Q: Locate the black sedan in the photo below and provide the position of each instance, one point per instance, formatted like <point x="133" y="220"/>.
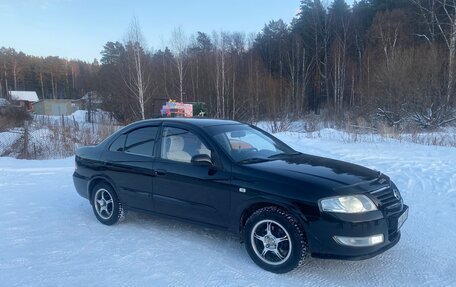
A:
<point x="233" y="176"/>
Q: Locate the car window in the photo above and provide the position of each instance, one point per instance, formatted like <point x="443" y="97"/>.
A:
<point x="249" y="140"/>
<point x="181" y="145"/>
<point x="245" y="140"/>
<point x="243" y="143"/>
<point x="141" y="141"/>
<point x="118" y="144"/>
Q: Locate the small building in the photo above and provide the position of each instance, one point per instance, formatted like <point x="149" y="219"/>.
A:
<point x="23" y="98"/>
<point x="54" y="107"/>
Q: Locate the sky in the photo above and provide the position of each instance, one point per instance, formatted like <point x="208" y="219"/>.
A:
<point x="78" y="29"/>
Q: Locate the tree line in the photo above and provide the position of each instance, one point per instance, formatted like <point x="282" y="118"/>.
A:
<point x="388" y="60"/>
<point x="51" y="77"/>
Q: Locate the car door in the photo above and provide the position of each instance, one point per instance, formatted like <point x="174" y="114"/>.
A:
<point x="129" y="163"/>
<point x="186" y="190"/>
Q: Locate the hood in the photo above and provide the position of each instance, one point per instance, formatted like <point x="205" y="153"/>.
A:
<point x="314" y="168"/>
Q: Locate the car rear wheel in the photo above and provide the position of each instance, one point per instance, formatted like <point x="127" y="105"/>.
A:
<point x="106" y="205"/>
<point x="274" y="240"/>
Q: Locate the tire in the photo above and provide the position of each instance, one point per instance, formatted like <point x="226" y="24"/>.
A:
<point x="275" y="240"/>
<point x="106" y="205"/>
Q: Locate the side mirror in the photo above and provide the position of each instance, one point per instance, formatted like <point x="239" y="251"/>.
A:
<point x="202" y="160"/>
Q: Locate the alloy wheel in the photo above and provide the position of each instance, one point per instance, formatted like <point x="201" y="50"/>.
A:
<point x="103" y="203"/>
<point x="271" y="242"/>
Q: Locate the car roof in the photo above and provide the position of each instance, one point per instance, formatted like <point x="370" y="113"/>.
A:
<point x="200" y="122"/>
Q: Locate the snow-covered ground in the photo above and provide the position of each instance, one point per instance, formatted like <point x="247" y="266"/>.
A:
<point x="50" y="237"/>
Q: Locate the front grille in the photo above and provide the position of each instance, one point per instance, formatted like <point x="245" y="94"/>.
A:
<point x="387" y="200"/>
<point x="391" y="207"/>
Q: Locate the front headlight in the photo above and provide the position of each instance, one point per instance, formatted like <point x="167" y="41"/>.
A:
<point x="347" y="204"/>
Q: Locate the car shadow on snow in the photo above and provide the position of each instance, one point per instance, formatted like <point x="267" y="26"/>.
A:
<point x="221" y="243"/>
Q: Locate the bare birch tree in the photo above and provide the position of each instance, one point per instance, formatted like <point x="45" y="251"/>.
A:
<point x="339" y="60"/>
<point x="7" y="95"/>
<point x="136" y="77"/>
<point x="298" y="68"/>
<point x="220" y="73"/>
<point x="446" y="25"/>
<point x="179" y="43"/>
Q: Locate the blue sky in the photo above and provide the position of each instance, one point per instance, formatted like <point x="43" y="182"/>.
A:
<point x="78" y="29"/>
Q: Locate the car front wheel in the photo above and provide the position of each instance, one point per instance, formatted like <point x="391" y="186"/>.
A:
<point x="106" y="205"/>
<point x="274" y="240"/>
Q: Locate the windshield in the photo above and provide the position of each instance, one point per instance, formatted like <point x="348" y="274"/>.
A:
<point x="245" y="144"/>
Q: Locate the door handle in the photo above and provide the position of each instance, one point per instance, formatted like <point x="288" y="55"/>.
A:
<point x="160" y="172"/>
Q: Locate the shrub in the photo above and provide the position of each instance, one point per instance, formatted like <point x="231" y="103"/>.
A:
<point x="11" y="117"/>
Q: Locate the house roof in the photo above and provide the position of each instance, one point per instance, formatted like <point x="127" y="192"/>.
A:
<point x="55" y="101"/>
<point x="24" y="96"/>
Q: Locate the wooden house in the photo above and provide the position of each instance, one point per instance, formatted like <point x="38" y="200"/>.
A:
<point x="23" y="98"/>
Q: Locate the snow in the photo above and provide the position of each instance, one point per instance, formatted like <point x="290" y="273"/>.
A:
<point x="80" y="115"/>
<point x="50" y="237"/>
<point x="4" y="102"/>
<point x="24" y="96"/>
<point x="9" y="137"/>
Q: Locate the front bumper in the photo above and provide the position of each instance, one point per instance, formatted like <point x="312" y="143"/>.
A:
<point x="321" y="232"/>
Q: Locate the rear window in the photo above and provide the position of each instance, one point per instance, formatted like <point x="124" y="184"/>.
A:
<point x="140" y="141"/>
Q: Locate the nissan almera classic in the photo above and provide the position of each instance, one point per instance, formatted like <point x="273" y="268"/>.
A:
<point x="284" y="204"/>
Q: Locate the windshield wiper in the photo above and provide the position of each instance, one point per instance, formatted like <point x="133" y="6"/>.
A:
<point x="283" y="154"/>
<point x="253" y="160"/>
